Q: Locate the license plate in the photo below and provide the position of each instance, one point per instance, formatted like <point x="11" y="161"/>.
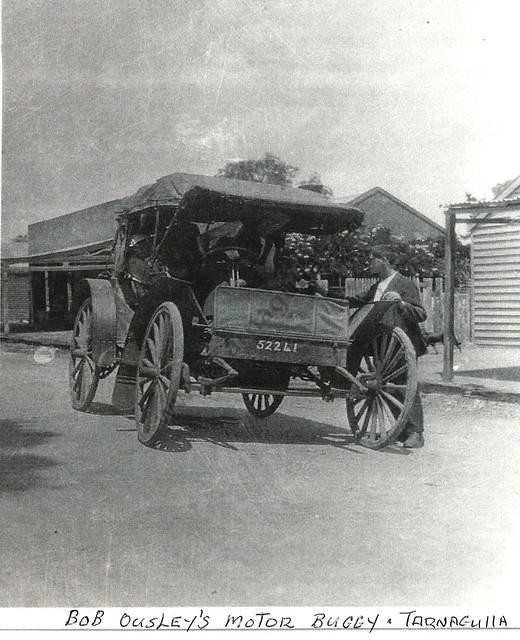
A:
<point x="280" y="346"/>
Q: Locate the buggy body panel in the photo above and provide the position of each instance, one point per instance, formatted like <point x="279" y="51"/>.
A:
<point x="275" y="326"/>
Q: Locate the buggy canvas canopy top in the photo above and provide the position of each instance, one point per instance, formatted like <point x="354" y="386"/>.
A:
<point x="211" y="199"/>
<point x="195" y="198"/>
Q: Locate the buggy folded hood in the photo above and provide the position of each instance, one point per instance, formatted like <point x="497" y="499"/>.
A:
<point x="208" y="199"/>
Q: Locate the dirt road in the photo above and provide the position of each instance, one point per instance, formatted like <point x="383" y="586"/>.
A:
<point x="236" y="511"/>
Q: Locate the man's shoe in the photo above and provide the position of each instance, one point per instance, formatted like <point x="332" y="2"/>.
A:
<point x="414" y="441"/>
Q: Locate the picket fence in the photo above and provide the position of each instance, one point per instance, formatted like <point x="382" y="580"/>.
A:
<point x="432" y="297"/>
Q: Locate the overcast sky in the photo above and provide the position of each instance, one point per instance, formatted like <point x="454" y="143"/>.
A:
<point x="102" y="96"/>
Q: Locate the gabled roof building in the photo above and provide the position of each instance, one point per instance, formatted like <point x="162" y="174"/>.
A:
<point x="381" y="207"/>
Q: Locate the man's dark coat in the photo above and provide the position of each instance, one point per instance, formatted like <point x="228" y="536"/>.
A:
<point x="406" y="316"/>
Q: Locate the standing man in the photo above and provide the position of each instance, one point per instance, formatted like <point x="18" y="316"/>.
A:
<point x="394" y="286"/>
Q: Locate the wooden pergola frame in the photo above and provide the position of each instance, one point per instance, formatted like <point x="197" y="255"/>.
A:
<point x="461" y="214"/>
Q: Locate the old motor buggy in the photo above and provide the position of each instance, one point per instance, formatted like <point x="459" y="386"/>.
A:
<point x="198" y="299"/>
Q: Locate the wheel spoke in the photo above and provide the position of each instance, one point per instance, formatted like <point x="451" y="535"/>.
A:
<point x="79" y="378"/>
<point x="151" y="409"/>
<point x="366" y="420"/>
<point x="373" y="423"/>
<point x="377" y="411"/>
<point x="149" y="406"/>
<point x="390" y="386"/>
<point x="166" y="340"/>
<point x="382" y="351"/>
<point x="375" y="349"/>
<point x="84" y="382"/>
<point x="395" y="374"/>
<point x="83" y="371"/>
<point x="162" y="399"/>
<point x="399" y="355"/>
<point x="156" y="339"/>
<point x="364" y="407"/>
<point x="392" y="400"/>
<point x="152" y="349"/>
<point x="381" y="416"/>
<point x="370" y="368"/>
<point x="143" y="399"/>
<point x="389" y="352"/>
<point x="167" y="366"/>
<point x="167" y="349"/>
<point x="165" y="381"/>
<point x="76" y="368"/>
<point x="387" y="411"/>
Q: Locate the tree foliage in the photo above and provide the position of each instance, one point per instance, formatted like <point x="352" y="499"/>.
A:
<point x="273" y="170"/>
<point x="314" y="183"/>
<point x="268" y="169"/>
<point x="348" y="254"/>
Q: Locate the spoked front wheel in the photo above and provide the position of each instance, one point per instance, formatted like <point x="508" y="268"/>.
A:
<point x="262" y="405"/>
<point x="387" y="368"/>
<point x="159" y="372"/>
<point x="83" y="372"/>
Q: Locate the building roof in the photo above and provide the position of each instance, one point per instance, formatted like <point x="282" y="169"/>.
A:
<point x="12" y="249"/>
<point x="13" y="252"/>
<point x="356" y="201"/>
<point x="483" y="209"/>
<point x="510" y="190"/>
<point x="508" y="196"/>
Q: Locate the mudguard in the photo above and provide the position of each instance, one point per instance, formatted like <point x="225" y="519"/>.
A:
<point x="163" y="289"/>
<point x="104" y="320"/>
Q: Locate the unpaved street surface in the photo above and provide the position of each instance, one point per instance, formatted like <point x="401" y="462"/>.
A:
<point x="231" y="510"/>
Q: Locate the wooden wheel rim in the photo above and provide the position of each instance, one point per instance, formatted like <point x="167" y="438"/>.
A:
<point x="262" y="405"/>
<point x="389" y="369"/>
<point x="158" y="372"/>
<point x="83" y="373"/>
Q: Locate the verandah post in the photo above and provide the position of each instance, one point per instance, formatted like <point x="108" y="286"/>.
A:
<point x="449" y="295"/>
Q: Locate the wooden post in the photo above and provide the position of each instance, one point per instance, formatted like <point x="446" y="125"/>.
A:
<point x="47" y="297"/>
<point x="5" y="301"/>
<point x="69" y="286"/>
<point x="449" y="295"/>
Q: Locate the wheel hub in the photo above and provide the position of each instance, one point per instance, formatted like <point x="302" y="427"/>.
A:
<point x="373" y="386"/>
<point x="150" y="372"/>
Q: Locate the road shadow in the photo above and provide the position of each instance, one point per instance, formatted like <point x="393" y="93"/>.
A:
<point x="19" y="469"/>
<point x="105" y="409"/>
<point x="227" y="427"/>
<point x="496" y="373"/>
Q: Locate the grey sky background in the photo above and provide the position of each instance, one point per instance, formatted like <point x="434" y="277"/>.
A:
<point x="103" y="96"/>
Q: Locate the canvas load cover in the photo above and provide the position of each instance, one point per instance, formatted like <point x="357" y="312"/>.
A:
<point x="280" y="314"/>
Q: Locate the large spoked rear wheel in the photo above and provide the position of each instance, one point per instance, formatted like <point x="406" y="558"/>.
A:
<point x="83" y="372"/>
<point x="262" y="405"/>
<point x="387" y="366"/>
<point x="158" y="372"/>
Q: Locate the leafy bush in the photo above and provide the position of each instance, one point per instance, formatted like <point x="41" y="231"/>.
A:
<point x="348" y="254"/>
